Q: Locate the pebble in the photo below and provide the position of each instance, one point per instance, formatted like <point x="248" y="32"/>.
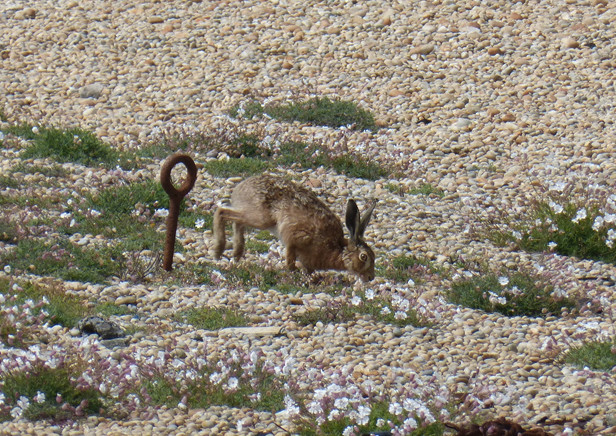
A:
<point x="490" y="108"/>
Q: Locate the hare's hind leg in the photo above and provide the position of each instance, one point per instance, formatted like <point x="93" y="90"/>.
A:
<point x="238" y="240"/>
<point x="237" y="217"/>
<point x="219" y="233"/>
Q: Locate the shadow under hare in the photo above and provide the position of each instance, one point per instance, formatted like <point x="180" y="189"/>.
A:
<point x="310" y="231"/>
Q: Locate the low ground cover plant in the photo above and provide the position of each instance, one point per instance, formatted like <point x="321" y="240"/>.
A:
<point x="64" y="259"/>
<point x="212" y="318"/>
<point x="318" y="111"/>
<point x="65" y="145"/>
<point x="599" y="355"/>
<point x="565" y="221"/>
<point x="511" y="294"/>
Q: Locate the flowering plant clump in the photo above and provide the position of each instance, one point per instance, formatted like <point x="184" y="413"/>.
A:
<point x="39" y="383"/>
<point x="516" y="295"/>
<point x="568" y="222"/>
<point x="391" y="304"/>
<point x="336" y="403"/>
<point x="235" y="377"/>
<point x="20" y="323"/>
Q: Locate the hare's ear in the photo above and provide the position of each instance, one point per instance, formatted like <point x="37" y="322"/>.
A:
<point x="352" y="219"/>
<point x="365" y="219"/>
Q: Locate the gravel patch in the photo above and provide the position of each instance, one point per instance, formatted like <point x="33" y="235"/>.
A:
<point x="489" y="102"/>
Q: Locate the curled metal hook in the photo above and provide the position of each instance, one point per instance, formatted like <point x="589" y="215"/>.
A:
<point x="175" y="198"/>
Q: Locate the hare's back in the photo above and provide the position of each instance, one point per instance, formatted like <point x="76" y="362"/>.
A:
<point x="278" y="195"/>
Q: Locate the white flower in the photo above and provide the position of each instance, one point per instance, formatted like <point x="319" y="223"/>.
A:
<point x="291" y="406"/>
<point x="610" y="218"/>
<point x="552" y="245"/>
<point x="356" y="300"/>
<point x="199" y="223"/>
<point x="334" y="414"/>
<point x="95" y="213"/>
<point x="400" y="315"/>
<point x="161" y="213"/>
<point x="557" y="208"/>
<point x="315" y="408"/>
<point x="35" y="130"/>
<point x="496" y="299"/>
<point x="232" y="383"/>
<point x="7" y="269"/>
<point x="348" y="431"/>
<point x="504" y="281"/>
<point x="363" y="415"/>
<point x="581" y="214"/>
<point x="409" y="424"/>
<point x="385" y="311"/>
<point x="370" y="294"/>
<point x="341" y="403"/>
<point x="516" y="234"/>
<point x="395" y="408"/>
<point x="40" y="397"/>
<point x="380" y="423"/>
<point x="598" y="223"/>
<point x="215" y="378"/>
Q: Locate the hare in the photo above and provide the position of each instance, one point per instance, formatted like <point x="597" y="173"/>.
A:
<point x="310" y="231"/>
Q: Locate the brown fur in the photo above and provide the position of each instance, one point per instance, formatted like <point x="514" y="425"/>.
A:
<point x="310" y="231"/>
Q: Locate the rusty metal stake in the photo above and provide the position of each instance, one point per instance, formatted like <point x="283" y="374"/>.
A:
<point x="175" y="198"/>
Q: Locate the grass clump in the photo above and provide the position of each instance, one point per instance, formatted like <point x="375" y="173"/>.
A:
<point x="130" y="213"/>
<point x="313" y="156"/>
<point x="62" y="308"/>
<point x="63" y="259"/>
<point x="516" y="295"/>
<point x="403" y="268"/>
<point x="423" y="189"/>
<point x="387" y="307"/>
<point x="212" y="318"/>
<point x="238" y="378"/>
<point x="48" y="393"/>
<point x="572" y="218"/>
<point x="571" y="230"/>
<point x="252" y="275"/>
<point x="316" y="111"/>
<point x="236" y="167"/>
<point x="596" y="355"/>
<point x="67" y="145"/>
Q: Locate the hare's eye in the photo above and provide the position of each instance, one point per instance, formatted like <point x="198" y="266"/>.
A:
<point x="363" y="257"/>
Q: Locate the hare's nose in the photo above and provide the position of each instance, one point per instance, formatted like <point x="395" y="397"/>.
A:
<point x="368" y="278"/>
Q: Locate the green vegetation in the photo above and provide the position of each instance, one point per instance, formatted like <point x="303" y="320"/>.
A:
<point x="52" y="383"/>
<point x="312" y="156"/>
<point x="236" y="167"/>
<point x="596" y="355"/>
<point x="125" y="212"/>
<point x="70" y="145"/>
<point x="516" y="295"/>
<point x="403" y="267"/>
<point x="240" y="386"/>
<point x="212" y="318"/>
<point x="63" y="309"/>
<point x="423" y="189"/>
<point x="317" y="111"/>
<point x="63" y="259"/>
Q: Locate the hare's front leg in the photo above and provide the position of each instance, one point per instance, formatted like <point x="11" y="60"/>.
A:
<point x="291" y="256"/>
<point x="238" y="241"/>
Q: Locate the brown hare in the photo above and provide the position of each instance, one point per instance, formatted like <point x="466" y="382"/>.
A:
<point x="310" y="231"/>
